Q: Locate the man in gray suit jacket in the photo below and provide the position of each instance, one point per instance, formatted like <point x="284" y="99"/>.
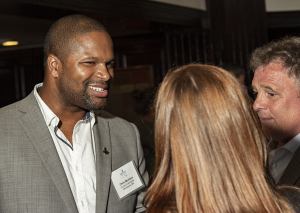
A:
<point x="58" y="147"/>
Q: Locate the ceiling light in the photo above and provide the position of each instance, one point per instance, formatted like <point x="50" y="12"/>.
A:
<point x="10" y="43"/>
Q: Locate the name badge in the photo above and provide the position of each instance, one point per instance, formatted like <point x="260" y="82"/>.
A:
<point x="127" y="180"/>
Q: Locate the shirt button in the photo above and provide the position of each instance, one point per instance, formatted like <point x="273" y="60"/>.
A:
<point x="77" y="168"/>
<point x="82" y="203"/>
<point x="274" y="165"/>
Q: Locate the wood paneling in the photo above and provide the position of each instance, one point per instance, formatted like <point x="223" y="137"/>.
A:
<point x="282" y="24"/>
<point x="237" y="28"/>
<point x="155" y="34"/>
<point x="283" y="19"/>
<point x="126" y="80"/>
<point x="142" y="9"/>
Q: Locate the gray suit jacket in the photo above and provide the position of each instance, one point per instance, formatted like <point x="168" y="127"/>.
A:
<point x="32" y="178"/>
<point x="291" y="174"/>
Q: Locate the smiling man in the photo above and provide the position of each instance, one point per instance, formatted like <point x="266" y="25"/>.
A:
<point x="59" y="149"/>
<point x="276" y="84"/>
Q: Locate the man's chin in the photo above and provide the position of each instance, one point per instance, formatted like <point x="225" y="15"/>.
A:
<point x="96" y="105"/>
<point x="100" y="107"/>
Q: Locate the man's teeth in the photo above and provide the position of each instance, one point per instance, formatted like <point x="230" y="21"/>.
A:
<point x="96" y="89"/>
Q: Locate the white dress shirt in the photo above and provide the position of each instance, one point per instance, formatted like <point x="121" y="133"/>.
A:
<point x="280" y="158"/>
<point x="78" y="160"/>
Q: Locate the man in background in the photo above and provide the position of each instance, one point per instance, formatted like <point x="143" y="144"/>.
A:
<point x="276" y="84"/>
<point x="59" y="148"/>
<point x="238" y="71"/>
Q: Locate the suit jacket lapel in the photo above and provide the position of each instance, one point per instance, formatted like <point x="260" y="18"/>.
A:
<point x="37" y="130"/>
<point x="103" y="162"/>
<point x="292" y="172"/>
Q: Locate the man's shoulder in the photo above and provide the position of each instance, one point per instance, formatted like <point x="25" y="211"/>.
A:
<point x="10" y="110"/>
<point x="9" y="120"/>
<point x="14" y="109"/>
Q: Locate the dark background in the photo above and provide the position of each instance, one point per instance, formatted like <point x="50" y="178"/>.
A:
<point x="149" y="37"/>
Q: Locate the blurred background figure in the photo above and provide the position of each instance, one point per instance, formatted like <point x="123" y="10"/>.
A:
<point x="143" y="106"/>
<point x="210" y="150"/>
<point x="238" y="71"/>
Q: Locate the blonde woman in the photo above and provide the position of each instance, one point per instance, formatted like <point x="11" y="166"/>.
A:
<point x="210" y="150"/>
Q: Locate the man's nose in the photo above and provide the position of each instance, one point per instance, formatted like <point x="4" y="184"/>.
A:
<point x="102" y="72"/>
<point x="259" y="103"/>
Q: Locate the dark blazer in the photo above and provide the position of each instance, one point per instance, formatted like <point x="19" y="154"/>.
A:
<point x="32" y="178"/>
<point x="291" y="175"/>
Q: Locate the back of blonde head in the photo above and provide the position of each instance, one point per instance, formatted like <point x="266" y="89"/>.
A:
<point x="210" y="150"/>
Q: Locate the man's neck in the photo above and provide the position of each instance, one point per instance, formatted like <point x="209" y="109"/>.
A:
<point x="280" y="144"/>
<point x="63" y="112"/>
<point x="68" y="116"/>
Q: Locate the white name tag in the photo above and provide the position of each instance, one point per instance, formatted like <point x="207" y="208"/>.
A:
<point x="127" y="180"/>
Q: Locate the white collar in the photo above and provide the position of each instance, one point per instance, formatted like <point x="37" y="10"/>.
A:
<point x="293" y="144"/>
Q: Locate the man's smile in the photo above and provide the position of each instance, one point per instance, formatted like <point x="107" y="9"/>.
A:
<point x="99" y="89"/>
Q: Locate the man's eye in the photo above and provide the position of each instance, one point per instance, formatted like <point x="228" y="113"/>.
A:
<point x="271" y="95"/>
<point x="255" y="94"/>
<point x="111" y="65"/>
<point x="89" y="62"/>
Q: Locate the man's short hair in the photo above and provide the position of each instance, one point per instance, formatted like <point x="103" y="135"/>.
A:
<point x="285" y="51"/>
<point x="62" y="34"/>
<point x="237" y="70"/>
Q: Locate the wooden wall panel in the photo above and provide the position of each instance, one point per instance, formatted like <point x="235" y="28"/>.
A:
<point x="237" y="28"/>
<point x="171" y="36"/>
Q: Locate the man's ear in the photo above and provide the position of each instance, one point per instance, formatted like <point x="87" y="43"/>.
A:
<point x="54" y="65"/>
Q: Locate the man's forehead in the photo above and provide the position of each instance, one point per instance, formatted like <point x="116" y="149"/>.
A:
<point x="93" y="35"/>
<point x="273" y="76"/>
<point x="91" y="42"/>
<point x="272" y="71"/>
<point x="267" y="74"/>
<point x="273" y="66"/>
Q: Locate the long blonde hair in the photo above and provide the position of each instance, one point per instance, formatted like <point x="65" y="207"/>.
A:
<point x="210" y="149"/>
